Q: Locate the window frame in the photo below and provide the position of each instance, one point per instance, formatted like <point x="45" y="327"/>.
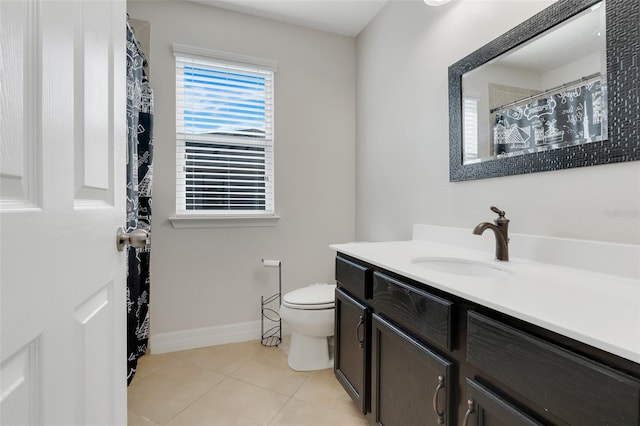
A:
<point x="211" y="217"/>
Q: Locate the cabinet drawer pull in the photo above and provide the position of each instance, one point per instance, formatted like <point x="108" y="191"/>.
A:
<point x="470" y="410"/>
<point x="439" y="413"/>
<point x="360" y="339"/>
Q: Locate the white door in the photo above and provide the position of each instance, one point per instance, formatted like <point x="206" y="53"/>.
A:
<point x="62" y="172"/>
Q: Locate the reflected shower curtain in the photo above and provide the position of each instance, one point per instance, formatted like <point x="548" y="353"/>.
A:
<point x="570" y="116"/>
<point x="139" y="179"/>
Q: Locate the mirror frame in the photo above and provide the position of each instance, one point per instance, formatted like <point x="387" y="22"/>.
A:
<point x="623" y="78"/>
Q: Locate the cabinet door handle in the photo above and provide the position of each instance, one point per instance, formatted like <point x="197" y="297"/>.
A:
<point x="439" y="413"/>
<point x="470" y="409"/>
<point x="360" y="339"/>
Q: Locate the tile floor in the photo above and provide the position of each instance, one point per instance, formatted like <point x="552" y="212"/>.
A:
<point x="235" y="384"/>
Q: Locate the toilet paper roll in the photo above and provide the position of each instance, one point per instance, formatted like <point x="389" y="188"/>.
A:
<point x="267" y="262"/>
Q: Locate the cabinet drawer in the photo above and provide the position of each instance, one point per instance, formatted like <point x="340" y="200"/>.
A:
<point x="570" y="387"/>
<point x="354" y="278"/>
<point x="423" y="314"/>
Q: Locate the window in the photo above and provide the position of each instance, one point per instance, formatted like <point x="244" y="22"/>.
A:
<point x="224" y="134"/>
<point x="470" y="129"/>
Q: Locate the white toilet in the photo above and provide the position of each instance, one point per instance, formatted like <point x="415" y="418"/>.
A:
<point x="310" y="312"/>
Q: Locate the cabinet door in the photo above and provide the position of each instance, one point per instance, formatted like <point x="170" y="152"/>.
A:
<point x="485" y="408"/>
<point x="352" y="348"/>
<point x="411" y="384"/>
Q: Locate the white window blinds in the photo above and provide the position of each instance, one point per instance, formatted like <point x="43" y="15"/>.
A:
<point x="224" y="137"/>
<point x="470" y="128"/>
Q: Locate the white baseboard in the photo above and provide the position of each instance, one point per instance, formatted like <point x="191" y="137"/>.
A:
<point x="208" y="336"/>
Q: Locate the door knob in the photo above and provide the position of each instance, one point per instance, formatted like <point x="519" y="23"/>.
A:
<point x="137" y="238"/>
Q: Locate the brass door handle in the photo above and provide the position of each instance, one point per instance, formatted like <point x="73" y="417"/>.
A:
<point x="360" y="339"/>
<point x="470" y="410"/>
<point x="439" y="413"/>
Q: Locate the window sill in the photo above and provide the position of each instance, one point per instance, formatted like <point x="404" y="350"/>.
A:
<point x="211" y="221"/>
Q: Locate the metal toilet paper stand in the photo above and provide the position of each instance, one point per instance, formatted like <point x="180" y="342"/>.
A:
<point x="272" y="336"/>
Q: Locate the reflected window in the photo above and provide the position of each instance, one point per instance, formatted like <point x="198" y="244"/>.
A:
<point x="470" y="127"/>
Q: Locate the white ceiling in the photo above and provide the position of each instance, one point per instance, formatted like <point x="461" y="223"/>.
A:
<point x="344" y="17"/>
<point x="576" y="38"/>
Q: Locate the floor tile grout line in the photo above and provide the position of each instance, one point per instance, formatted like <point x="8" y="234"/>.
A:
<point x="142" y="415"/>
<point x="194" y="401"/>
<point x="245" y="362"/>
<point x="278" y="412"/>
<point x="202" y="366"/>
<point x="323" y="406"/>
<point x="268" y="389"/>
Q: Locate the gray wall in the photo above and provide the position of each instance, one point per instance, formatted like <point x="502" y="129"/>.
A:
<point x="402" y="138"/>
<point x="213" y="277"/>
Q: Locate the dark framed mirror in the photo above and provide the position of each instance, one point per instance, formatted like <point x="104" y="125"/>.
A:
<point x="552" y="115"/>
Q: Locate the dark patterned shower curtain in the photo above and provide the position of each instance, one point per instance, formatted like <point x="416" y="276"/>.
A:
<point x="570" y="116"/>
<point x="139" y="179"/>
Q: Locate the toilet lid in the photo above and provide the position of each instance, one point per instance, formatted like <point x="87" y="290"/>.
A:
<point x="315" y="296"/>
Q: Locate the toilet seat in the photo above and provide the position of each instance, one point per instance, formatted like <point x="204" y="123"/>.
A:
<point x="315" y="296"/>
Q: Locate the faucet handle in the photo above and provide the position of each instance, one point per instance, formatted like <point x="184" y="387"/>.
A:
<point x="500" y="213"/>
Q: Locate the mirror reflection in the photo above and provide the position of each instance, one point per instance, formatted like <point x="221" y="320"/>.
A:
<point x="548" y="93"/>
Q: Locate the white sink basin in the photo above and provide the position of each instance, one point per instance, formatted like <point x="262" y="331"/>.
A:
<point x="465" y="267"/>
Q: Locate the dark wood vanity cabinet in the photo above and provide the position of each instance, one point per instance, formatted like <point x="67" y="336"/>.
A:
<point x="409" y="354"/>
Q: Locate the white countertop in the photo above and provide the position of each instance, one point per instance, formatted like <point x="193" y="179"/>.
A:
<point x="599" y="309"/>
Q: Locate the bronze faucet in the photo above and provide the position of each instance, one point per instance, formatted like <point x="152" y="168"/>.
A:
<point x="501" y="231"/>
